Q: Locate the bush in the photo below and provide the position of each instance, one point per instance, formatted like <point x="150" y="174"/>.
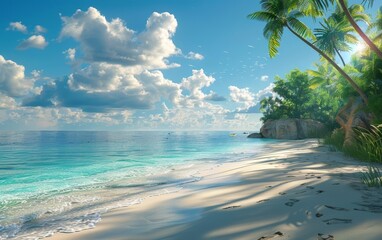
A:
<point x="373" y="177"/>
<point x="367" y="145"/>
<point x="335" y="140"/>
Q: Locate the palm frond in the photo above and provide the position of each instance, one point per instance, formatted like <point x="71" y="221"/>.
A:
<point x="369" y="3"/>
<point x="271" y="27"/>
<point x="300" y="28"/>
<point x="358" y="13"/>
<point x="274" y="42"/>
<point x="263" y="16"/>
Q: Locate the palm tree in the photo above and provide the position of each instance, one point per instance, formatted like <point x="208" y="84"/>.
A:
<point x="336" y="32"/>
<point x="323" y="4"/>
<point x="334" y="37"/>
<point x="352" y="21"/>
<point x="323" y="76"/>
<point x="280" y="14"/>
<point x="357" y="11"/>
<point x="377" y="25"/>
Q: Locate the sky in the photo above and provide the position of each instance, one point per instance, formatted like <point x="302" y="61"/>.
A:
<point x="137" y="65"/>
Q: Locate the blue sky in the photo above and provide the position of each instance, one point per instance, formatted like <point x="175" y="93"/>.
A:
<point x="137" y="64"/>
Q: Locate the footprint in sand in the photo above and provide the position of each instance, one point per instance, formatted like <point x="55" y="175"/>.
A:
<point x="376" y="208"/>
<point x="230" y="207"/>
<point x="263" y="200"/>
<point x="276" y="234"/>
<point x="337" y="221"/>
<point x="324" y="237"/>
<point x="300" y="192"/>
<point x="337" y="208"/>
<point x="291" y="202"/>
<point x="319" y="214"/>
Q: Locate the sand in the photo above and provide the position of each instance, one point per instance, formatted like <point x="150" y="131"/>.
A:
<point x="294" y="190"/>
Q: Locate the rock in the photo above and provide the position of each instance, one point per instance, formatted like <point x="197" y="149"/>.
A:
<point x="292" y="129"/>
<point x="255" y="135"/>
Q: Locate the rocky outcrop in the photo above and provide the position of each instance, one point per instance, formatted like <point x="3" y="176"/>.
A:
<point x="292" y="129"/>
<point x="255" y="135"/>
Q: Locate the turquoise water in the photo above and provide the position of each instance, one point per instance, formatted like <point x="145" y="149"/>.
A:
<point x="64" y="181"/>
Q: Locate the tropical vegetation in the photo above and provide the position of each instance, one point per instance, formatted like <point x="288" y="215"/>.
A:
<point x="295" y="98"/>
<point x="372" y="177"/>
<point x="346" y="96"/>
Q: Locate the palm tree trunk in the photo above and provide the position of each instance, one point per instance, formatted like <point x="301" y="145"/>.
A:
<point x="367" y="40"/>
<point x="335" y="65"/>
<point x="339" y="54"/>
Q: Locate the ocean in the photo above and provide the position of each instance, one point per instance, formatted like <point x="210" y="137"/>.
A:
<point x="62" y="181"/>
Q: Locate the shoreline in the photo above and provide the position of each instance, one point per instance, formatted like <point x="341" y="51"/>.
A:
<point x="291" y="190"/>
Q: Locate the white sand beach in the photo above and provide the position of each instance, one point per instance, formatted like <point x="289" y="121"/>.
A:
<point x="294" y="190"/>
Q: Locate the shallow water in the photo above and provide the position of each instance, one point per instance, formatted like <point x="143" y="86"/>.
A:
<point x="64" y="181"/>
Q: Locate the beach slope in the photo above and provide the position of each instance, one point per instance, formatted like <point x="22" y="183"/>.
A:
<point x="293" y="190"/>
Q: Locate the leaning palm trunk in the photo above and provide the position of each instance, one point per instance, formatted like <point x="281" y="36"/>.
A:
<point x="367" y="40"/>
<point x="351" y="116"/>
<point x="340" y="56"/>
<point x="335" y="65"/>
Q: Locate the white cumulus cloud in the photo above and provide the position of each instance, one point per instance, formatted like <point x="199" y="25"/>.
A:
<point x="7" y="102"/>
<point x="70" y="53"/>
<point x="196" y="82"/>
<point x="266" y="92"/>
<point x="242" y="95"/>
<point x="12" y="79"/>
<point x="111" y="41"/>
<point x="34" y="41"/>
<point x="39" y="29"/>
<point x="17" y="26"/>
<point x="194" y="56"/>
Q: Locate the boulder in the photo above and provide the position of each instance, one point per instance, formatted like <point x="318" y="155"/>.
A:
<point x="255" y="135"/>
<point x="292" y="129"/>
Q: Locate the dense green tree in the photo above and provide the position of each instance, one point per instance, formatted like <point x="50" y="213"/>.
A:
<point x="295" y="99"/>
<point x="369" y="69"/>
<point x="323" y="76"/>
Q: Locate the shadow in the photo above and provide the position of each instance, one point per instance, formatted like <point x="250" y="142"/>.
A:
<point x="296" y="188"/>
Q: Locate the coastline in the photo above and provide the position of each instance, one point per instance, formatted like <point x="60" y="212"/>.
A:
<point x="291" y="190"/>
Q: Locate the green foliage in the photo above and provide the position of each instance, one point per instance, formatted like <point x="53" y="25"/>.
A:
<point x="297" y="100"/>
<point x="373" y="177"/>
<point x="293" y="94"/>
<point x="369" y="144"/>
<point x="369" y="70"/>
<point x="282" y="13"/>
<point x="335" y="140"/>
<point x="375" y="107"/>
<point x="335" y="36"/>
<point x="366" y="147"/>
<point x="320" y="93"/>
